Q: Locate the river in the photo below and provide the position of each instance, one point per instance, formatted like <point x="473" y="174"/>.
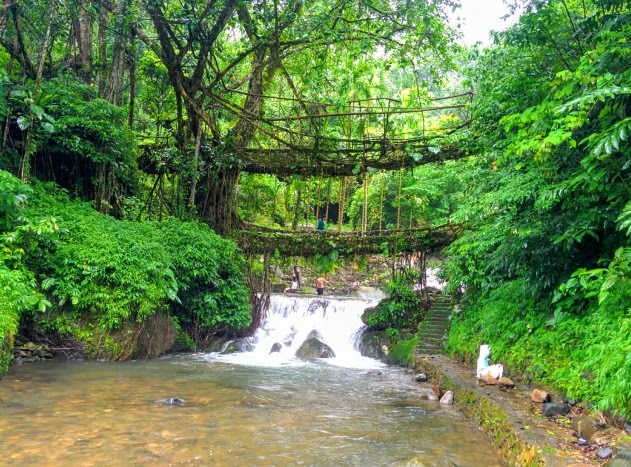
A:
<point x="238" y="409"/>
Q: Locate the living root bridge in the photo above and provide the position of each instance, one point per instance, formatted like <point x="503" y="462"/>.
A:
<point x="310" y="243"/>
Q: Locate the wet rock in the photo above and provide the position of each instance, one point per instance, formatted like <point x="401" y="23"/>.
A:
<point x="374" y="373"/>
<point x="505" y="383"/>
<point x="623" y="455"/>
<point x="587" y="426"/>
<point x="551" y="409"/>
<point x="30" y="352"/>
<point x="239" y="345"/>
<point x="539" y="396"/>
<point x="156" y="336"/>
<point x="276" y="348"/>
<point x="314" y="348"/>
<point x="172" y="401"/>
<point x="421" y="377"/>
<point x="604" y="453"/>
<point x="488" y="380"/>
<point x="372" y="345"/>
<point x="447" y="399"/>
<point x="427" y="394"/>
<point x="409" y="371"/>
<point x="582" y="442"/>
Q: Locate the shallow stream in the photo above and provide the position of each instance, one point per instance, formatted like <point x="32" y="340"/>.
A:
<point x="235" y="413"/>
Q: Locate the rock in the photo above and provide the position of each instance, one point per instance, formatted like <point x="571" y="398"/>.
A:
<point x="30" y="352"/>
<point x="427" y="394"/>
<point x="276" y="348"/>
<point x="550" y="409"/>
<point x="604" y="453"/>
<point x="374" y="373"/>
<point x="623" y="451"/>
<point x="172" y="401"/>
<point x="156" y="336"/>
<point x="314" y="348"/>
<point x="239" y="345"/>
<point x="438" y="391"/>
<point x="505" y="383"/>
<point x="608" y="436"/>
<point x="421" y="377"/>
<point x="409" y="371"/>
<point x="587" y="426"/>
<point x="539" y="396"/>
<point x="447" y="399"/>
<point x="372" y="345"/>
<point x="488" y="380"/>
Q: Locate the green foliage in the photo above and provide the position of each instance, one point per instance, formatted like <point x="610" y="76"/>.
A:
<point x="546" y="261"/>
<point x="18" y="292"/>
<point x="102" y="274"/>
<point x="401" y="351"/>
<point x="402" y="310"/>
<point x="209" y="272"/>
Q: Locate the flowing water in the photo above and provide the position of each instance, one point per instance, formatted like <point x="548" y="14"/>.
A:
<point x="250" y="408"/>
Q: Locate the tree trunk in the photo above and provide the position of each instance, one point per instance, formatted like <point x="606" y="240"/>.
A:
<point x="114" y="93"/>
<point x="82" y="30"/>
<point x="101" y="80"/>
<point x="132" y="82"/>
<point x="25" y="162"/>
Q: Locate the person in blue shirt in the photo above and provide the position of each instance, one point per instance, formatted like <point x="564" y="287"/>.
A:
<point x="321" y="224"/>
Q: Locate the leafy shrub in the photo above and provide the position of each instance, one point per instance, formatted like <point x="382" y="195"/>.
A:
<point x="209" y="272"/>
<point x="402" y="310"/>
<point x="111" y="273"/>
<point x="17" y="285"/>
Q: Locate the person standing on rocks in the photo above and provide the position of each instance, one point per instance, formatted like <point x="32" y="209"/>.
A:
<point x="295" y="278"/>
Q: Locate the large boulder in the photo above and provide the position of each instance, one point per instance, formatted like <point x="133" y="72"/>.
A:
<point x="314" y="348"/>
<point x="374" y="345"/>
<point x="238" y="345"/>
<point x="550" y="409"/>
<point x="156" y="336"/>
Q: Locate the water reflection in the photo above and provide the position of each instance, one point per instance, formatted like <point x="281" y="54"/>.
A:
<point x="78" y="413"/>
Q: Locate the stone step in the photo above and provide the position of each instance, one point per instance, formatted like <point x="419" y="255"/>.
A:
<point x="435" y="322"/>
<point x="431" y="340"/>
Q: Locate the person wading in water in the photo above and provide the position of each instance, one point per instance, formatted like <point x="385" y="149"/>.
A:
<point x="320" y="283"/>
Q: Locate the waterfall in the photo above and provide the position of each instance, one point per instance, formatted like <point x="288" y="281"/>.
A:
<point x="291" y="320"/>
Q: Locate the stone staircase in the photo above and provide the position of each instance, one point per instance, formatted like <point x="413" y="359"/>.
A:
<point x="435" y="325"/>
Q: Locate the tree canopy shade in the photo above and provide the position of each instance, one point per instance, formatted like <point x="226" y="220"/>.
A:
<point x="226" y="59"/>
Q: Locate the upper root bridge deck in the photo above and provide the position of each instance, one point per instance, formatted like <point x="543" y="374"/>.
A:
<point x="312" y="242"/>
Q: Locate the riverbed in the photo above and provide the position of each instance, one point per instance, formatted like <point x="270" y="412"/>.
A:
<point x="314" y="413"/>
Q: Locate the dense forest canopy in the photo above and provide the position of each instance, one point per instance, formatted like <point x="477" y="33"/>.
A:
<point x="172" y="117"/>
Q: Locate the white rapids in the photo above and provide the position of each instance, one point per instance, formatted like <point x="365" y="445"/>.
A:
<point x="292" y="319"/>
